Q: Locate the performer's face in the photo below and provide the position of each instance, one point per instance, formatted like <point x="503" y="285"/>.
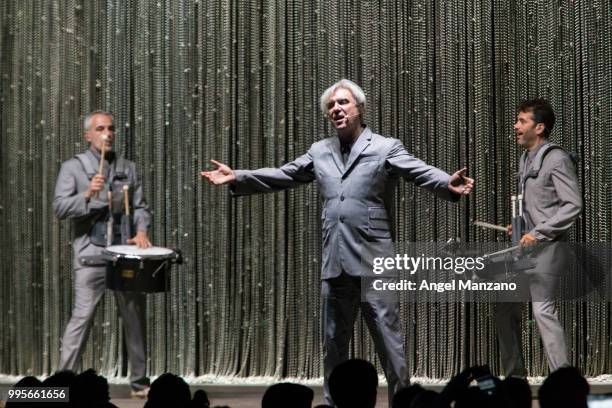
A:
<point x="101" y="125"/>
<point x="527" y="130"/>
<point x="342" y="110"/>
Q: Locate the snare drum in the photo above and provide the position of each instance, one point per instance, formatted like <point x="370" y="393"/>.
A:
<point x="133" y="269"/>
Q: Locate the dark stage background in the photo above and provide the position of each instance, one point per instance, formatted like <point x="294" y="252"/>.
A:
<point x="239" y="82"/>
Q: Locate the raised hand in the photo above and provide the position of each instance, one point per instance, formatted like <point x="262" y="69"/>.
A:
<point x="223" y="174"/>
<point x="459" y="183"/>
<point x="95" y="185"/>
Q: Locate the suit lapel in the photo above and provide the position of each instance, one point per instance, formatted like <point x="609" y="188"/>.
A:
<point x="362" y="142"/>
<point x="334" y="146"/>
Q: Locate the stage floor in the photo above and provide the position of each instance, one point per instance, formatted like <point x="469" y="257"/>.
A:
<point x="242" y="397"/>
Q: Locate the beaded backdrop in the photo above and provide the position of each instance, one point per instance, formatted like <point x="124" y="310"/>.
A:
<point x="239" y="82"/>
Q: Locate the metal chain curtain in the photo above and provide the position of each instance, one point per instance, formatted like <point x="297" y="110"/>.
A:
<point x="239" y="82"/>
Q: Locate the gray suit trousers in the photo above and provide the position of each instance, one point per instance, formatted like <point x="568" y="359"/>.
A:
<point x="342" y="297"/>
<point x="89" y="287"/>
<point x="543" y="288"/>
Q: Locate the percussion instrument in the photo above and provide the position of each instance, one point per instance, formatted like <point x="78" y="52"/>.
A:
<point x="133" y="269"/>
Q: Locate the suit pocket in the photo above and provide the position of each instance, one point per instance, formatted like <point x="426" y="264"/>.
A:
<point x="378" y="222"/>
<point x="365" y="168"/>
<point x="368" y="159"/>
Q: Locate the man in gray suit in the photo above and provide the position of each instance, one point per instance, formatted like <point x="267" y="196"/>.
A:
<point x="357" y="172"/>
<point x="552" y="201"/>
<point x="81" y="194"/>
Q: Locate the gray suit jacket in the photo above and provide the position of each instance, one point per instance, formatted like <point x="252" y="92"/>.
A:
<point x="357" y="197"/>
<point x="552" y="199"/>
<point x="552" y="202"/>
<point x="69" y="201"/>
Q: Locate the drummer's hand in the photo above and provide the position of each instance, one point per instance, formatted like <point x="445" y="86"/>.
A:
<point x="509" y="230"/>
<point x="140" y="239"/>
<point x="222" y="175"/>
<point x="96" y="185"/>
<point x="528" y="240"/>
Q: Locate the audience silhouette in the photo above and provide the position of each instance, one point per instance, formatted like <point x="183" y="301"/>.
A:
<point x="90" y="390"/>
<point x="518" y="392"/>
<point x="200" y="400"/>
<point x="403" y="398"/>
<point x="353" y="384"/>
<point x="564" y="388"/>
<point x="168" y="390"/>
<point x="284" y="395"/>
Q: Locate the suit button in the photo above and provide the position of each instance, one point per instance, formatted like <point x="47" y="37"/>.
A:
<point x="342" y="218"/>
<point x="341" y="198"/>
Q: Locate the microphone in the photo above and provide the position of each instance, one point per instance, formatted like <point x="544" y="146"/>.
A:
<point x="345" y="117"/>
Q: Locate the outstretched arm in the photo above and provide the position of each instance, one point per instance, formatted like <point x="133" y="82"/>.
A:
<point x="299" y="171"/>
<point x="448" y="187"/>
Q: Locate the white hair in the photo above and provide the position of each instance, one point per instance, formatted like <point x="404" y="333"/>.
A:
<point x="355" y="89"/>
<point x="90" y="115"/>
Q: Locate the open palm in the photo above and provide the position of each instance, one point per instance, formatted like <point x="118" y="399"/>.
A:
<point x="459" y="183"/>
<point x="223" y="174"/>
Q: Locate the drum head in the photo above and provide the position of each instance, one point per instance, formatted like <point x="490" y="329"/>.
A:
<point x="132" y="251"/>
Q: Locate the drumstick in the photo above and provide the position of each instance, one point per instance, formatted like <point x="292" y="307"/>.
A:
<point x="109" y="225"/>
<point x="101" y="168"/>
<point x="490" y="226"/>
<point x="503" y="251"/>
<point x="102" y="152"/>
<point x="126" y="199"/>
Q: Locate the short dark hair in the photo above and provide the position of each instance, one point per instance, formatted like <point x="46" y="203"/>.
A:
<point x="542" y="113"/>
